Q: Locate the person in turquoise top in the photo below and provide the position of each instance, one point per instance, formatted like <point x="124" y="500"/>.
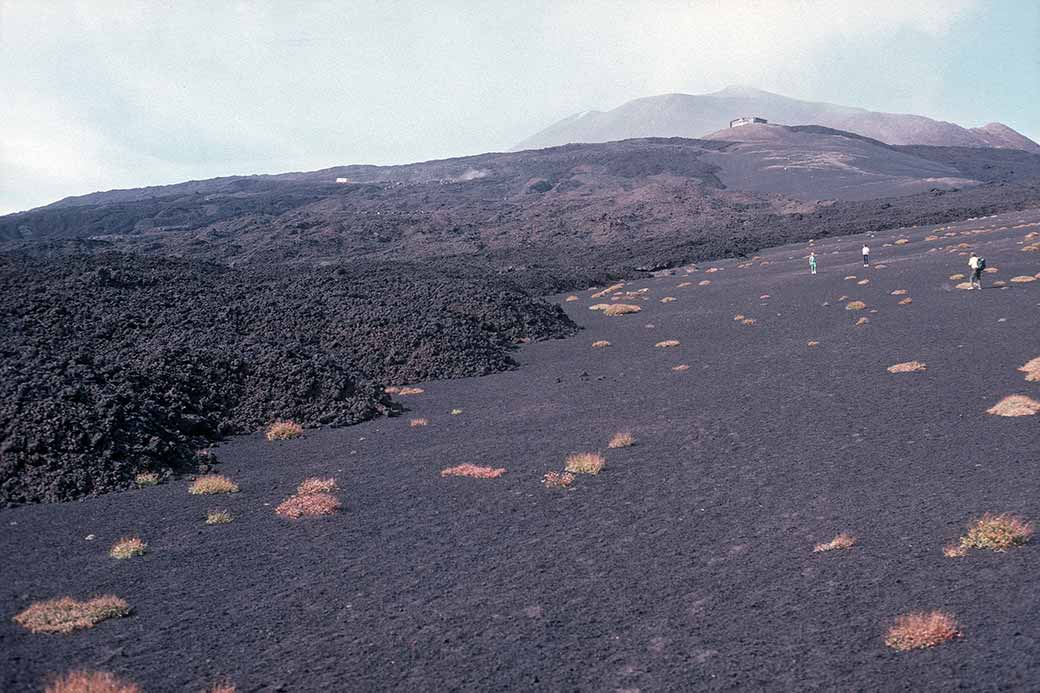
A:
<point x="812" y="262"/>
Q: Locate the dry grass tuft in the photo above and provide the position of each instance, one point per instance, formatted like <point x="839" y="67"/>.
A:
<point x="899" y="292"/>
<point x="902" y="241"/>
<point x="455" y="412"/>
<point x="127" y="547"/>
<point x="65" y="614"/>
<point x="416" y="423"/>
<point x="681" y="367"/>
<point x="600" y="343"/>
<point x="855" y="305"/>
<point x="1000" y="282"/>
<point x="863" y="282"/>
<point x="308" y="505"/>
<point x="917" y="630"/>
<point x="1022" y="279"/>
<point x="212" y="483"/>
<point x="668" y="299"/>
<point x="621" y="309"/>
<point x="584" y="463"/>
<point x="931" y="238"/>
<point x="406" y="391"/>
<point x="956" y="277"/>
<point x="218" y="517"/>
<point x="862" y="321"/>
<point x="1015" y="405"/>
<point x="283" y="430"/>
<point x="558" y="479"/>
<point x="906" y="301"/>
<point x="224" y="686"/>
<point x="850" y="277"/>
<point x="571" y="298"/>
<point x="667" y="343"/>
<point x="955" y="551"/>
<point x="966" y="286"/>
<point x="739" y="316"/>
<point x="812" y="343"/>
<point x="1032" y="370"/>
<point x="683" y="285"/>
<point x="610" y="289"/>
<point x="907" y="367"/>
<point x="81" y="681"/>
<point x="704" y="282"/>
<point x="474" y="471"/>
<point x="842" y="541"/>
<point x="991" y="270"/>
<point x="317" y="485"/>
<point x="997" y="532"/>
<point x="621" y="440"/>
<point x="146" y="479"/>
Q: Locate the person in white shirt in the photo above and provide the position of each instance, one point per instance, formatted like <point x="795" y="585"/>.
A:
<point x="977" y="264"/>
<point x="866" y="255"/>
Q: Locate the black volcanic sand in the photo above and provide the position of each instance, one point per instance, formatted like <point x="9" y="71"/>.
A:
<point x="686" y="564"/>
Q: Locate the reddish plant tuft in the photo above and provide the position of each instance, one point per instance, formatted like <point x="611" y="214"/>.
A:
<point x="474" y="471"/>
<point x="308" y="505"/>
<point x="842" y="541"/>
<point x="283" y="430"/>
<point x="917" y="630"/>
<point x="418" y="423"/>
<point x="317" y="485"/>
<point x="621" y="440"/>
<point x="558" y="479"/>
<point x="65" y="614"/>
<point x="997" y="532"/>
<point x="90" y="682"/>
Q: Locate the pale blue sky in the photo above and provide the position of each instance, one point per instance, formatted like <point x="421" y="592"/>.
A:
<point x="101" y="94"/>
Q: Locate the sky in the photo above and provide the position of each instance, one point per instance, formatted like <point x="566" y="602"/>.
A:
<point x="100" y="94"/>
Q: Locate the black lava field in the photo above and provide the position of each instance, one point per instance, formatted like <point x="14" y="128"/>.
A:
<point x="770" y="424"/>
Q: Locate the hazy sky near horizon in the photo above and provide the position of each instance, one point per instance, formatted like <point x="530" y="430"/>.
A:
<point x="102" y="94"/>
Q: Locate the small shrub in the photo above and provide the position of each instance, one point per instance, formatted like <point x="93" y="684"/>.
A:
<point x="621" y="309"/>
<point x="415" y="423"/>
<point x="81" y="681"/>
<point x="907" y="367"/>
<point x="127" y="547"/>
<point x="863" y="282"/>
<point x="812" y="343"/>
<point x="991" y="270"/>
<point x="997" y="532"/>
<point x="584" y="463"/>
<point x="738" y="317"/>
<point x="683" y="285"/>
<point x="855" y="305"/>
<point x="609" y="290"/>
<point x="1022" y="279"/>
<point x="407" y="391"/>
<point x="211" y="484"/>
<point x="917" y="630"/>
<point x="599" y="344"/>
<point x="283" y="430"/>
<point x="146" y="479"/>
<point x="668" y="299"/>
<point x="65" y="614"/>
<point x="1032" y="370"/>
<point x="906" y="301"/>
<point x="956" y="277"/>
<point x="955" y="551"/>
<point x="902" y="241"/>
<point x="317" y="485"/>
<point x="218" y="517"/>
<point x="309" y="505"/>
<point x="1015" y="405"/>
<point x="474" y="471"/>
<point x="456" y="411"/>
<point x="842" y="541"/>
<point x="862" y="321"/>
<point x="621" y="440"/>
<point x="558" y="480"/>
<point x="850" y="277"/>
<point x="965" y="286"/>
<point x="224" y="686"/>
<point x="899" y="292"/>
<point x="667" y="343"/>
<point x="571" y="298"/>
<point x="704" y="282"/>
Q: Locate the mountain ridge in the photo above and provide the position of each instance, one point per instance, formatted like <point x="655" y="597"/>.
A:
<point x="695" y="115"/>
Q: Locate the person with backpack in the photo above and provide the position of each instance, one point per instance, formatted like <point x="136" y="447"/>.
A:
<point x="812" y="262"/>
<point x="866" y="255"/>
<point x="977" y="264"/>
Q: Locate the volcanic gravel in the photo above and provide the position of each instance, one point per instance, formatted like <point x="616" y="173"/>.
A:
<point x="687" y="563"/>
<point x="112" y="364"/>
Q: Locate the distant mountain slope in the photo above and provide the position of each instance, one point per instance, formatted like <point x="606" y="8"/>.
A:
<point x="685" y="115"/>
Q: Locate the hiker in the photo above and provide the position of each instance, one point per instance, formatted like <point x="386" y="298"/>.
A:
<point x="812" y="263"/>
<point x="977" y="264"/>
<point x="866" y="255"/>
